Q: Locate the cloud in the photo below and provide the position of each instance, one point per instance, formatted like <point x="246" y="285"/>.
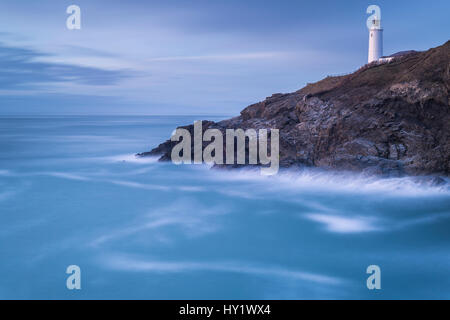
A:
<point x="224" y="57"/>
<point x="86" y="51"/>
<point x="21" y="70"/>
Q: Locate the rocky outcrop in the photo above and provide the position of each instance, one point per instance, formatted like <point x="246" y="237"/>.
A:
<point x="391" y="118"/>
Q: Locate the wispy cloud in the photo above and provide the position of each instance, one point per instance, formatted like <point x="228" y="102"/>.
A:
<point x="86" y="51"/>
<point x="20" y="69"/>
<point x="224" y="57"/>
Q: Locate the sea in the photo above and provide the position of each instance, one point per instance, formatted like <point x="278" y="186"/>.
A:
<point x="72" y="193"/>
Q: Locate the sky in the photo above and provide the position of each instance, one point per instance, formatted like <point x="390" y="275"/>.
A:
<point x="190" y="57"/>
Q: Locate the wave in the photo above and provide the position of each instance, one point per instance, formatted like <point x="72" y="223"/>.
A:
<point x="340" y="182"/>
<point x="5" y="172"/>
<point x="339" y="224"/>
<point x="127" y="263"/>
<point x="130" y="158"/>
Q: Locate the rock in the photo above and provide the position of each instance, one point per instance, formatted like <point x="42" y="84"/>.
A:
<point x="388" y="119"/>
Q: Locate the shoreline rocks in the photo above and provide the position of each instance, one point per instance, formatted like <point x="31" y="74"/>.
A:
<point x="385" y="119"/>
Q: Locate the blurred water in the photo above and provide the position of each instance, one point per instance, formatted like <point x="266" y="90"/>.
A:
<point x="71" y="192"/>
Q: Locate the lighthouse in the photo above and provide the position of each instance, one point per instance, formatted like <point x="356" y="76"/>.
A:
<point x="375" y="38"/>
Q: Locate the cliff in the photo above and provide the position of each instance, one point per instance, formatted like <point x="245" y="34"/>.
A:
<point x="391" y="119"/>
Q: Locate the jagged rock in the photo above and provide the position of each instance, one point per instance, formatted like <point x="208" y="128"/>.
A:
<point x="389" y="119"/>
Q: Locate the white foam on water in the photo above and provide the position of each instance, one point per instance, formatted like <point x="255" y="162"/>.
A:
<point x="133" y="264"/>
<point x="192" y="218"/>
<point x="132" y="158"/>
<point x="125" y="158"/>
<point x="316" y="180"/>
<point x="138" y="185"/>
<point x="66" y="175"/>
<point x="5" y="172"/>
<point x="6" y="195"/>
<point x="340" y="224"/>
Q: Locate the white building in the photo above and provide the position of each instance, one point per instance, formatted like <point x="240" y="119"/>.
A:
<point x="375" y="41"/>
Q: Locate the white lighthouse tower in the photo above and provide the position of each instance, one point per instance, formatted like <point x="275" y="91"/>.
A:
<point x="375" y="38"/>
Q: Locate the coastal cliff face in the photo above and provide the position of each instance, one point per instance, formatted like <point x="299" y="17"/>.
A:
<point x="389" y="119"/>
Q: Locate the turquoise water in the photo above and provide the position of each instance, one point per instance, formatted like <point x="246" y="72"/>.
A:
<point x="72" y="193"/>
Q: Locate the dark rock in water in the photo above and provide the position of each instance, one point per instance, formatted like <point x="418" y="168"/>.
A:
<point x="388" y="119"/>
